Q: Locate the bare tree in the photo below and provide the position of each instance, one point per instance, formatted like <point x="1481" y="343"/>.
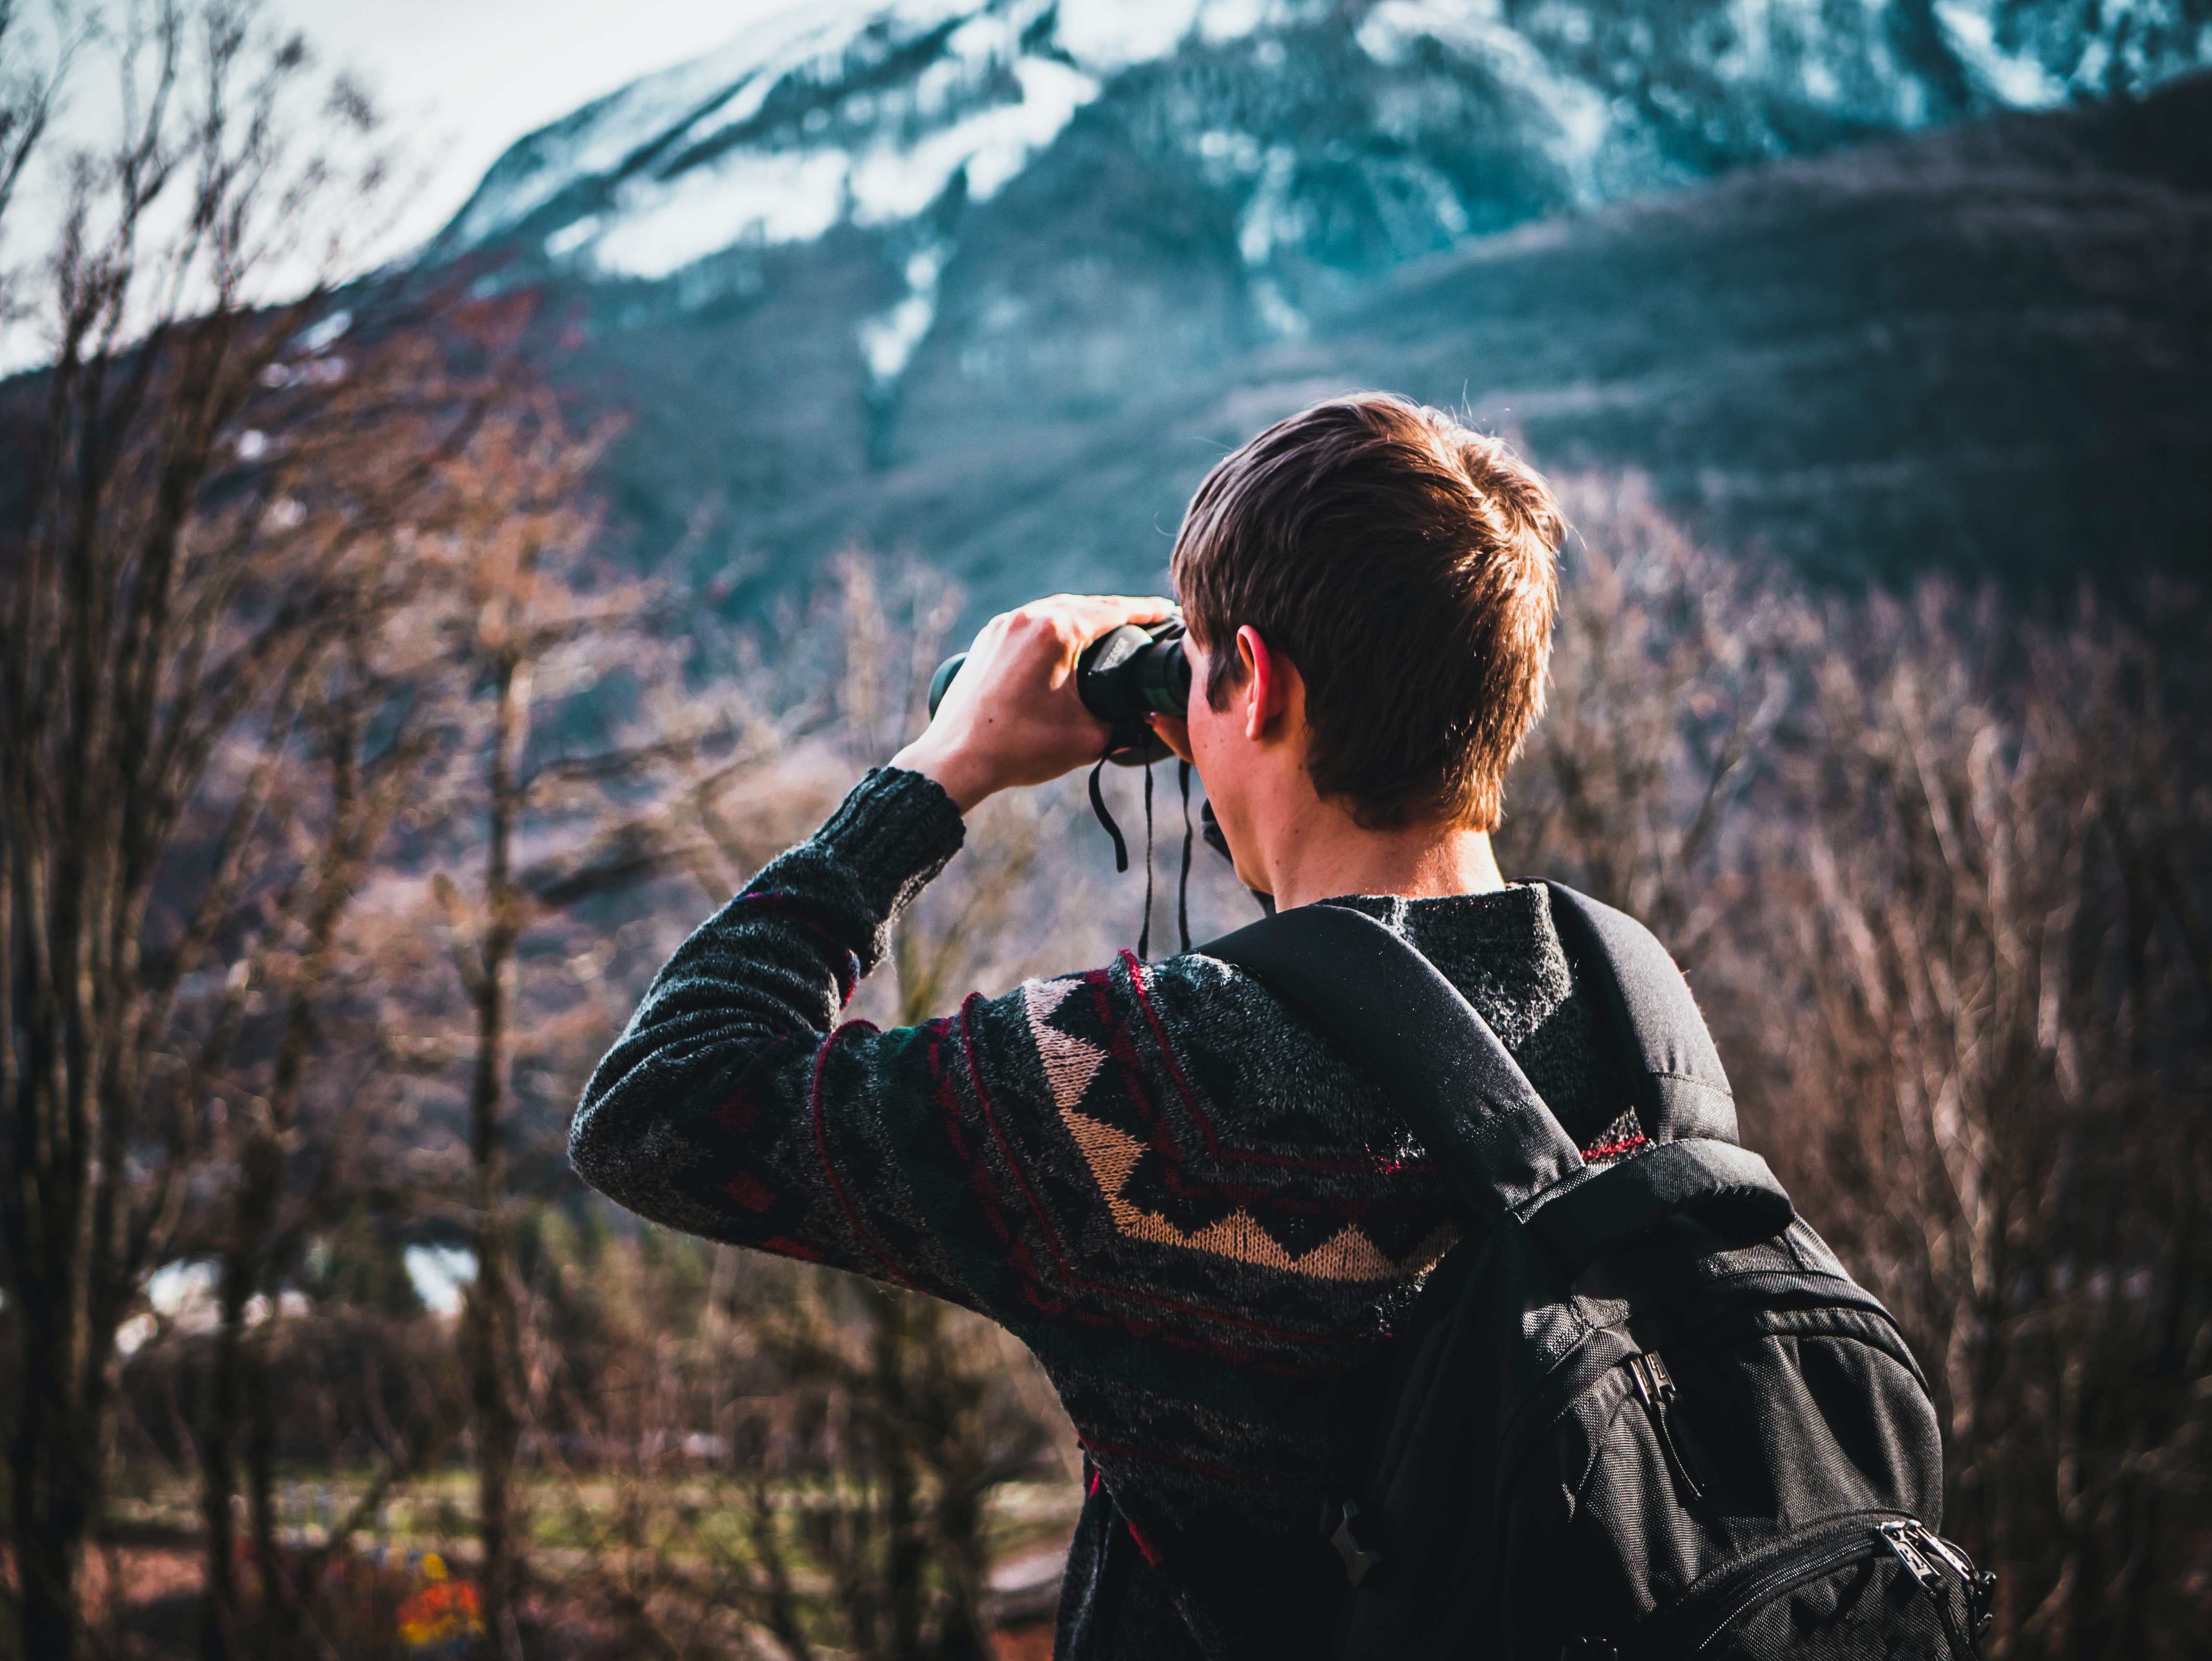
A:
<point x="203" y="529"/>
<point x="1990" y="926"/>
<point x="511" y="566"/>
<point x="156" y="604"/>
<point x="366" y="730"/>
<point x="1936" y="866"/>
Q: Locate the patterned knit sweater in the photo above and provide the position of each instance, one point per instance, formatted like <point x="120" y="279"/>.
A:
<point x="1202" y="1220"/>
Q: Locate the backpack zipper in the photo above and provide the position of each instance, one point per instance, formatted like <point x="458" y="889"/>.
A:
<point x="1913" y="1546"/>
<point x="1981" y="1585"/>
<point x="1903" y="1537"/>
<point x="1903" y="1540"/>
<point x="1655" y="1388"/>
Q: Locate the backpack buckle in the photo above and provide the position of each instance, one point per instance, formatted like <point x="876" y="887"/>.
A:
<point x="1353" y="1539"/>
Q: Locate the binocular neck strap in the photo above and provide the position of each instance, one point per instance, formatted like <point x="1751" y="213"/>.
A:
<point x="1183" y="885"/>
<point x="1121" y="848"/>
<point x="1098" y="807"/>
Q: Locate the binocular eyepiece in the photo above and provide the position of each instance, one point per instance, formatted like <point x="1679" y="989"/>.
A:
<point x="1123" y="676"/>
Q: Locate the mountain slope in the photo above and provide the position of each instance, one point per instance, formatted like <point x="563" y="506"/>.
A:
<point x="961" y="275"/>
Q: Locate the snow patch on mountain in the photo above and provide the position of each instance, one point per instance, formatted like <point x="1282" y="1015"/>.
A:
<point x="1970" y="31"/>
<point x="764" y="195"/>
<point x="779" y="197"/>
<point x="888" y="338"/>
<point x="601" y="136"/>
<point x="1477" y="32"/>
<point x="808" y="120"/>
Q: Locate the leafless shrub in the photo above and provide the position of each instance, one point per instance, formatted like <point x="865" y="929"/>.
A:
<point x="1937" y="867"/>
<point x="1988" y="1072"/>
<point x="1670" y="672"/>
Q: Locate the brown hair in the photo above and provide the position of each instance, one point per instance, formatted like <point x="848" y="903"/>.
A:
<point x="1407" y="567"/>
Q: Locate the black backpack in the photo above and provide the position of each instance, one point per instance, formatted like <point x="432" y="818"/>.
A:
<point x="1645" y="1413"/>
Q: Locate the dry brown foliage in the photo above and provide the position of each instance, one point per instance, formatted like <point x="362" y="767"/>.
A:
<point x="1937" y="867"/>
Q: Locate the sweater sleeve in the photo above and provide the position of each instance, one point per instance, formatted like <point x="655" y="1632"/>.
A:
<point x="736" y="1105"/>
<point x="1171" y="1191"/>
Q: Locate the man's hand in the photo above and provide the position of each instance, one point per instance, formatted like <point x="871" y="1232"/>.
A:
<point x="1011" y="716"/>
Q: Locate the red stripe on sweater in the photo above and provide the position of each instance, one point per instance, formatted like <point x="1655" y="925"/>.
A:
<point x="1151" y="1552"/>
<point x="1133" y="1088"/>
<point x="998" y="1131"/>
<point x="1214" y="1142"/>
<point x="1613" y="1150"/>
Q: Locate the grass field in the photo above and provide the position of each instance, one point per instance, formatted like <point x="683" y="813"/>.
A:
<point x="606" y="1552"/>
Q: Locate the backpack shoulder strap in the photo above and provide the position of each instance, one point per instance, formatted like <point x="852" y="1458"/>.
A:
<point x="1468" y="1102"/>
<point x="1410" y="1029"/>
<point x="1675" y="1073"/>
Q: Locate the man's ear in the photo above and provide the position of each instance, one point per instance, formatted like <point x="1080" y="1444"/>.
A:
<point x="1266" y="695"/>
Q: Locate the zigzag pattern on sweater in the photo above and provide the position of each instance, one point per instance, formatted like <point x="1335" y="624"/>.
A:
<point x="1116" y="1150"/>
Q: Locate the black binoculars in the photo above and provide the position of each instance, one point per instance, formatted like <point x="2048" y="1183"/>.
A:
<point x="1123" y="676"/>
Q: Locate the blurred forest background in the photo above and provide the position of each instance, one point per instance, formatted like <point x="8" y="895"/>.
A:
<point x="361" y="755"/>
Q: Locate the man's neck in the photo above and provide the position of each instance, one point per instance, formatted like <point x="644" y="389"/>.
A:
<point x="1318" y="855"/>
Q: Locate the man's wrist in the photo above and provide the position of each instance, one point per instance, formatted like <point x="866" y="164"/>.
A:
<point x="895" y="830"/>
<point x="956" y="773"/>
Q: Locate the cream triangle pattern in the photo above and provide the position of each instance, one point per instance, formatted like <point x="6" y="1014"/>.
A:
<point x="1346" y="1254"/>
<point x="1070" y="1064"/>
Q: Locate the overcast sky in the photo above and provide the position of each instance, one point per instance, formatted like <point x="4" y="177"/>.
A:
<point x="459" y="79"/>
<point x="469" y="78"/>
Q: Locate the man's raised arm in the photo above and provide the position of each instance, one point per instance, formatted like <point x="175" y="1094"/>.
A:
<point x="734" y="1105"/>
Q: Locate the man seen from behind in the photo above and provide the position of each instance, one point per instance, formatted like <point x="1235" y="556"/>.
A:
<point x="1206" y="1225"/>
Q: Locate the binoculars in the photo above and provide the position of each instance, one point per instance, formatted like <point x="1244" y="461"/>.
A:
<point x="1123" y="676"/>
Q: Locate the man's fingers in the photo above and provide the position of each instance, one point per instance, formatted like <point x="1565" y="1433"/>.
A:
<point x="1054" y="632"/>
<point x="1096" y="613"/>
<point x="1149" y="608"/>
<point x="1059" y="628"/>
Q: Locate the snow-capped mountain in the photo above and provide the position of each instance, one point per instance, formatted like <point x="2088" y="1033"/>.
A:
<point x="1343" y="134"/>
<point x="869" y="238"/>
